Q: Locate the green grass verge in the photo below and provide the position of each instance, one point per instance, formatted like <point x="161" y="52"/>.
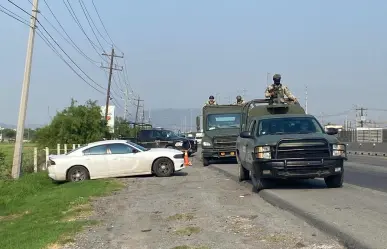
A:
<point x="34" y="212"/>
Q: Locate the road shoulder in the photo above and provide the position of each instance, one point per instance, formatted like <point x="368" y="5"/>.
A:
<point x="200" y="209"/>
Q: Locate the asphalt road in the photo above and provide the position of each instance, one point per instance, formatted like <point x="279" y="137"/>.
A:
<point x="356" y="213"/>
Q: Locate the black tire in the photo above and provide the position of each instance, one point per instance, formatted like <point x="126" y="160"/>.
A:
<point x="259" y="183"/>
<point x="334" y="181"/>
<point x="206" y="161"/>
<point x="77" y="174"/>
<point x="244" y="174"/>
<point x="163" y="167"/>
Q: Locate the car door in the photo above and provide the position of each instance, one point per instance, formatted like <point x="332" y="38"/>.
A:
<point x="122" y="160"/>
<point x="95" y="160"/>
<point x="249" y="146"/>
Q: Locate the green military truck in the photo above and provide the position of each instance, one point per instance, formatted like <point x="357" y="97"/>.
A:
<point x="221" y="126"/>
<point x="281" y="141"/>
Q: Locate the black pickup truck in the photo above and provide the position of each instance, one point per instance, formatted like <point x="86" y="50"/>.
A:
<point x="160" y="138"/>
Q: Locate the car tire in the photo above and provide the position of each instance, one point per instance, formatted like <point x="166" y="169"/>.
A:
<point x="259" y="183"/>
<point x="206" y="161"/>
<point x="334" y="181"/>
<point x="244" y="174"/>
<point x="77" y="174"/>
<point x="163" y="167"/>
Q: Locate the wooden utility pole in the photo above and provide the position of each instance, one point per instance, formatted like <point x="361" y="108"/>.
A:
<point x="111" y="68"/>
<point x="17" y="155"/>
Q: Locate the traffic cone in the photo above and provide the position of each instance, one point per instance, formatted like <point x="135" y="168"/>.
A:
<point x="186" y="159"/>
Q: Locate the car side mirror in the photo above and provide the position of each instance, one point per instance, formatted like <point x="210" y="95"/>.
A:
<point x="245" y="134"/>
<point x="332" y="131"/>
<point x="135" y="151"/>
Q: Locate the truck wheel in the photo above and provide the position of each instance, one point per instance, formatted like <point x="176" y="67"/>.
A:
<point x="334" y="181"/>
<point x="206" y="161"/>
<point x="259" y="183"/>
<point x="244" y="174"/>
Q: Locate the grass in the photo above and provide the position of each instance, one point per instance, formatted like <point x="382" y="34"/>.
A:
<point x="35" y="213"/>
<point x="7" y="150"/>
<point x="188" y="231"/>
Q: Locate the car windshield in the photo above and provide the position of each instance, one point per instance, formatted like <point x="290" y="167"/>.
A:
<point x="165" y="134"/>
<point x="291" y="125"/>
<point x="223" y="121"/>
<point x="139" y="147"/>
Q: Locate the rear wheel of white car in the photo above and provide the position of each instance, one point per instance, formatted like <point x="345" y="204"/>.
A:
<point x="78" y="174"/>
<point x="163" y="167"/>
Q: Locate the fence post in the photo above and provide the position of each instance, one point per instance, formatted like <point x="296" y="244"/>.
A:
<point x="79" y="145"/>
<point x="47" y="154"/>
<point x="73" y="146"/>
<point x="65" y="148"/>
<point x="35" y="159"/>
<point x="58" y="149"/>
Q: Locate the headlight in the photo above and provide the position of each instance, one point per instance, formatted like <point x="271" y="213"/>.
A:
<point x="338" y="150"/>
<point x="263" y="152"/>
<point x="206" y="143"/>
<point x="178" y="144"/>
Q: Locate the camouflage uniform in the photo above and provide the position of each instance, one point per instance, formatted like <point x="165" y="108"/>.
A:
<point x="279" y="89"/>
<point x="239" y="101"/>
<point x="209" y="103"/>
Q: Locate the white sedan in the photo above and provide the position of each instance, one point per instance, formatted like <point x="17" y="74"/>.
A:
<point x="114" y="158"/>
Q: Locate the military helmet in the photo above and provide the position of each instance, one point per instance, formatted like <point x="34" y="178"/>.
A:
<point x="211" y="97"/>
<point x="276" y="76"/>
<point x="239" y="97"/>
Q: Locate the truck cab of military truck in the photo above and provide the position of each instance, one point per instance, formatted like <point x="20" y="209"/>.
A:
<point x="221" y="126"/>
<point x="281" y="141"/>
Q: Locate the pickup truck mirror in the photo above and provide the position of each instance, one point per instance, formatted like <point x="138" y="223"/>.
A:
<point x="245" y="134"/>
<point x="332" y="131"/>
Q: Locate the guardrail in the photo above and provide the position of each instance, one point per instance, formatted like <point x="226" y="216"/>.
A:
<point x="367" y="149"/>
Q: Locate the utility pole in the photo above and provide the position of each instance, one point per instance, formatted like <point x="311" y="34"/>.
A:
<point x="17" y="155"/>
<point x="306" y="99"/>
<point x="362" y="117"/>
<point x="143" y="115"/>
<point x="111" y="68"/>
<point x="126" y="93"/>
<point x="137" y="108"/>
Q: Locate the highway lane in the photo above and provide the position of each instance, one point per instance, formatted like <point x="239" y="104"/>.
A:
<point x="353" y="213"/>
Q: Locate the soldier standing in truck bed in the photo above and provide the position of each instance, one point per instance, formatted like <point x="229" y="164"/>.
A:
<point x="278" y="90"/>
<point x="211" y="101"/>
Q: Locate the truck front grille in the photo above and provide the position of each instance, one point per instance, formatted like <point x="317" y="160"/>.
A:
<point x="224" y="142"/>
<point x="306" y="148"/>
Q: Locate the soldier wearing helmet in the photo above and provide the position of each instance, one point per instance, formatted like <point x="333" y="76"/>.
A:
<point x="211" y="101"/>
<point x="277" y="90"/>
<point x="239" y="100"/>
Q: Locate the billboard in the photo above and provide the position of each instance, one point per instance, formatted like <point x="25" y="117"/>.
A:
<point x="110" y="117"/>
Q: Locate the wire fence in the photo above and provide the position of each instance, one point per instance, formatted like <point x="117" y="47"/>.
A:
<point x="34" y="159"/>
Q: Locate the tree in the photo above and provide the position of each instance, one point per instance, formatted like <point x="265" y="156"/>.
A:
<point x="122" y="128"/>
<point x="76" y="124"/>
<point x="9" y="133"/>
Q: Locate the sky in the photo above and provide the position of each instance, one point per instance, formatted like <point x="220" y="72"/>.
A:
<point x="178" y="53"/>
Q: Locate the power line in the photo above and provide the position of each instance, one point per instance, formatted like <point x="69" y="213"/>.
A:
<point x="74" y="17"/>
<point x="69" y="40"/>
<point x="14" y="15"/>
<point x="88" y="21"/>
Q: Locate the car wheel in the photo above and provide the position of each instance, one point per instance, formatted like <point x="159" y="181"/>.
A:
<point x="334" y="181"/>
<point x="244" y="174"/>
<point x="259" y="183"/>
<point x="78" y="174"/>
<point x="163" y="167"/>
<point x="206" y="161"/>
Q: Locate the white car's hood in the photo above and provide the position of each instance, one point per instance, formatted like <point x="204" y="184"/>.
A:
<point x="164" y="150"/>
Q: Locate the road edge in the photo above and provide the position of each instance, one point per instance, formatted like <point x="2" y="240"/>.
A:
<point x="344" y="238"/>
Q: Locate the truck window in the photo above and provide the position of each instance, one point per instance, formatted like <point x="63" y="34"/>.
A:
<point x="252" y="126"/>
<point x="223" y="121"/>
<point x="145" y="135"/>
<point x="289" y="125"/>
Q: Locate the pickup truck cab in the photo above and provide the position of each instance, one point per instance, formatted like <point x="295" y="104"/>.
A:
<point x="280" y="141"/>
<point x="161" y="138"/>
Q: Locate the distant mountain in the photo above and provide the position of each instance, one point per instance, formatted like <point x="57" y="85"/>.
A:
<point x="31" y="126"/>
